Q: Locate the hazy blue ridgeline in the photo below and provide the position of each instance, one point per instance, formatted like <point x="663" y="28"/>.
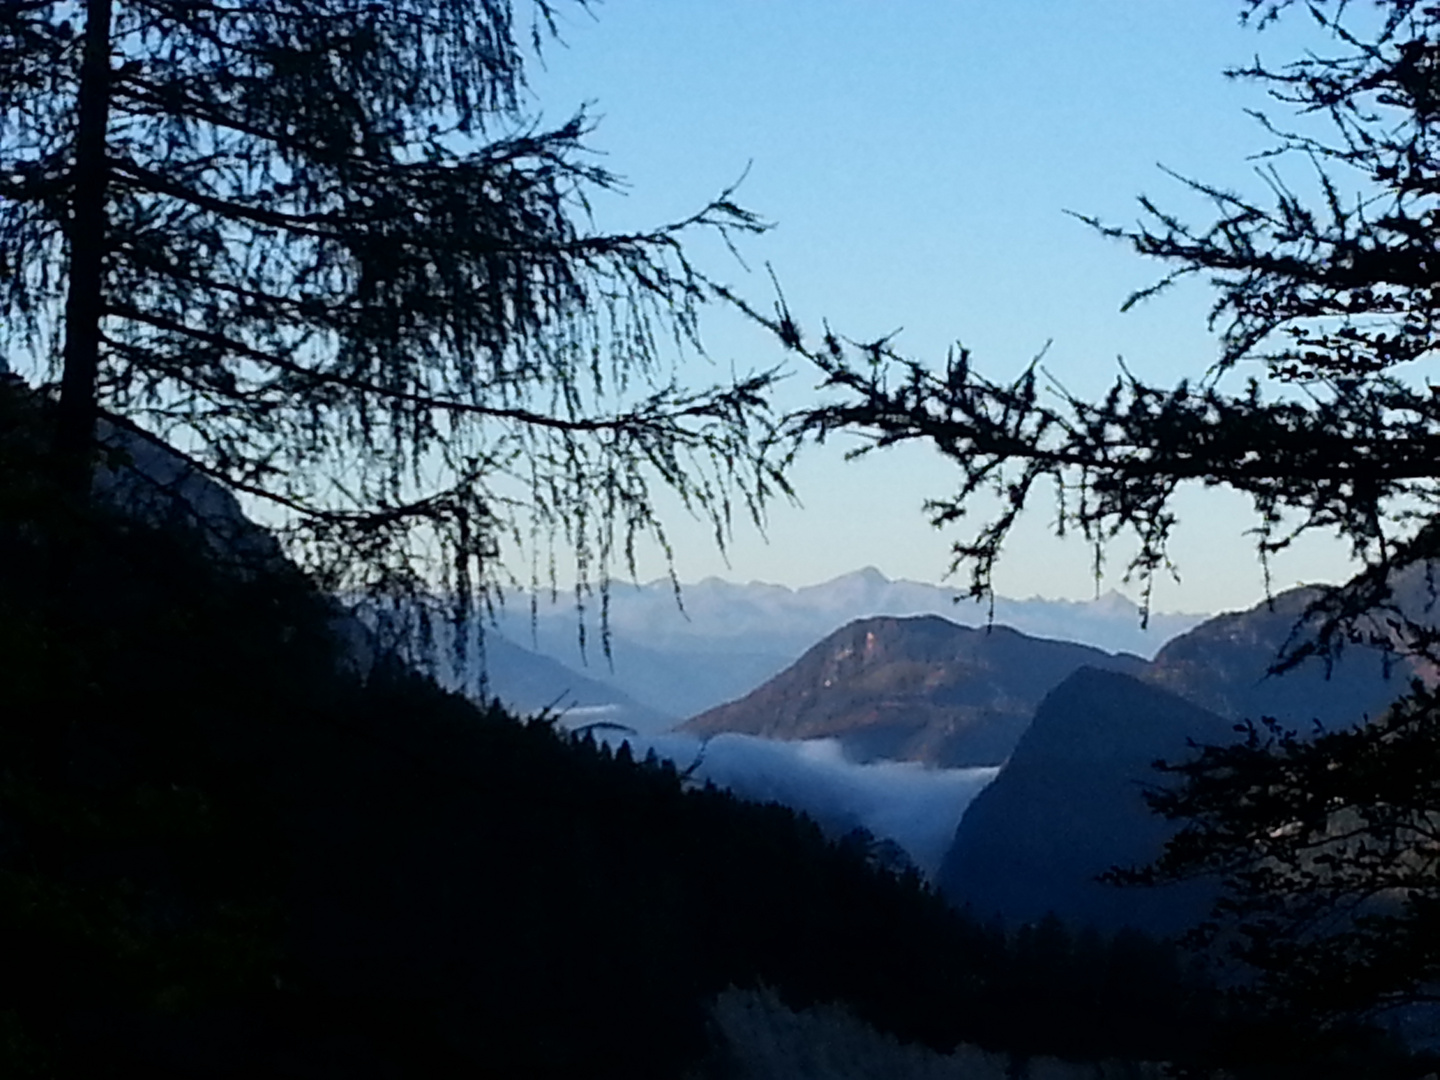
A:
<point x="667" y="664"/>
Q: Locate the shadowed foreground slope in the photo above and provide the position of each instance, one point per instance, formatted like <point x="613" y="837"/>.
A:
<point x="223" y="854"/>
<point x="1068" y="804"/>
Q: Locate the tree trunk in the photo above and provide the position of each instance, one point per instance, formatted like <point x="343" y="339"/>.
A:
<point x="72" y="452"/>
<point x="86" y="233"/>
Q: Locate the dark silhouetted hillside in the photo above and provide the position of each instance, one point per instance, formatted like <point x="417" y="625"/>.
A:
<point x="1068" y="806"/>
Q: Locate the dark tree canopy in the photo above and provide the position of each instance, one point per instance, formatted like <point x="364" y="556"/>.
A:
<point x="1328" y="844"/>
<point x="322" y="247"/>
<point x="1334" y="299"/>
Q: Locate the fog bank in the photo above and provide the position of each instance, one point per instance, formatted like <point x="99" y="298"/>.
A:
<point x="915" y="805"/>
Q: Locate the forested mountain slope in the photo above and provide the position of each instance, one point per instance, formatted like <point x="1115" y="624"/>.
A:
<point x="224" y="852"/>
<point x="1068" y="804"/>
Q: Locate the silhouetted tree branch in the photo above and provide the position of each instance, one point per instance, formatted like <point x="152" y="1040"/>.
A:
<point x="321" y="247"/>
<point x="1328" y="845"/>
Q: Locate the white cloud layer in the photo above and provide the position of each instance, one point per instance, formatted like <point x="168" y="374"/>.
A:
<point x="916" y="806"/>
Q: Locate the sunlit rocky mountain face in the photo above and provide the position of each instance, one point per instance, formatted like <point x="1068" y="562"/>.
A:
<point x="912" y="689"/>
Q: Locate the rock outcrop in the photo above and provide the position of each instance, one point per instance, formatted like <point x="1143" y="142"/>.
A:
<point x="912" y="689"/>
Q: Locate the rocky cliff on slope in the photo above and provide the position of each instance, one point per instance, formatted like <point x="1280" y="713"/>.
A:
<point x="912" y="689"/>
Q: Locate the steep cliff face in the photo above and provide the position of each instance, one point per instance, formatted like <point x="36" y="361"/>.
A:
<point x="912" y="689"/>
<point x="1069" y="805"/>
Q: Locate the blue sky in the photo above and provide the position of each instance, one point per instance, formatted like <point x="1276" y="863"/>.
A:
<point x="917" y="159"/>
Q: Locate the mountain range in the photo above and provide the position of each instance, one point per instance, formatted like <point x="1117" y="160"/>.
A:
<point x="1071" y="727"/>
<point x="680" y="654"/>
<point x="1075" y="730"/>
<point x="1075" y="726"/>
<point x="926" y="689"/>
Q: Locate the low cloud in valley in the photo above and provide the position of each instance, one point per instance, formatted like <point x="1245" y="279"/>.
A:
<point x="916" y="806"/>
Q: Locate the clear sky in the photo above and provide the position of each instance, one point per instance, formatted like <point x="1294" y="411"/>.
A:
<point x="917" y="157"/>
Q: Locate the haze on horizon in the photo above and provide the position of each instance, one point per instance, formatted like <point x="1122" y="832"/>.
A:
<point x="1108" y="595"/>
<point x="918" y="161"/>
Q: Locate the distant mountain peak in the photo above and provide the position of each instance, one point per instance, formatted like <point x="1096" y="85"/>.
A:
<point x="866" y="578"/>
<point x="1114" y="600"/>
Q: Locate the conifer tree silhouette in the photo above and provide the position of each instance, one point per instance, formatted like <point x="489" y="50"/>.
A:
<point x="324" y="249"/>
